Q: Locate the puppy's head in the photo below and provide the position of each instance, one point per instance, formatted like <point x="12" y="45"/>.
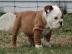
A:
<point x="53" y="17"/>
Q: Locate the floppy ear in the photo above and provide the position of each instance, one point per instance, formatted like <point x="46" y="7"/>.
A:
<point x="48" y="8"/>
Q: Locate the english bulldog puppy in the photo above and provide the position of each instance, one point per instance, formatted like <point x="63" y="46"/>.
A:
<point x="33" y="23"/>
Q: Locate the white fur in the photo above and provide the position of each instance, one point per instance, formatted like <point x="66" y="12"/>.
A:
<point x="48" y="11"/>
<point x="7" y="21"/>
<point x="51" y="22"/>
<point x="38" y="46"/>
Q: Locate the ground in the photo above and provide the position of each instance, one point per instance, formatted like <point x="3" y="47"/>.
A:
<point x="61" y="42"/>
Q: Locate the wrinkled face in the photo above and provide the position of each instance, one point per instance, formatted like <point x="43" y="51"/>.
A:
<point x="54" y="18"/>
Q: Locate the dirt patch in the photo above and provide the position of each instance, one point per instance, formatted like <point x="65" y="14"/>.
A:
<point x="6" y="40"/>
<point x="61" y="40"/>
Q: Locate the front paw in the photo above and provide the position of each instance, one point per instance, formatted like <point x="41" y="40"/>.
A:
<point x="38" y="46"/>
<point x="46" y="43"/>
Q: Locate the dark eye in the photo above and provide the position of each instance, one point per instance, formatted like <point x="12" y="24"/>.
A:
<point x="55" y="18"/>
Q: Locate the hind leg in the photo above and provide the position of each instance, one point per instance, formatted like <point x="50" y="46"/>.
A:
<point x="15" y="30"/>
<point x="14" y="38"/>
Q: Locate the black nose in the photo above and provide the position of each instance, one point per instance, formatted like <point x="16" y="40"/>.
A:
<point x="60" y="23"/>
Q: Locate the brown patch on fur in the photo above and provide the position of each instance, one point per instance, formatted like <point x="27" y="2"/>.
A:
<point x="31" y="23"/>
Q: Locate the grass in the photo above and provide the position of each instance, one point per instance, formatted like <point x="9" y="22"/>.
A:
<point x="30" y="50"/>
<point x="61" y="41"/>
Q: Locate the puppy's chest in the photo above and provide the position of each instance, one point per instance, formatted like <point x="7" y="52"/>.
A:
<point x="47" y="23"/>
<point x="46" y="27"/>
<point x="45" y="31"/>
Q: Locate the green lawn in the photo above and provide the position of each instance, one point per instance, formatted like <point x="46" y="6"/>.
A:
<point x="61" y="42"/>
<point x="30" y="50"/>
